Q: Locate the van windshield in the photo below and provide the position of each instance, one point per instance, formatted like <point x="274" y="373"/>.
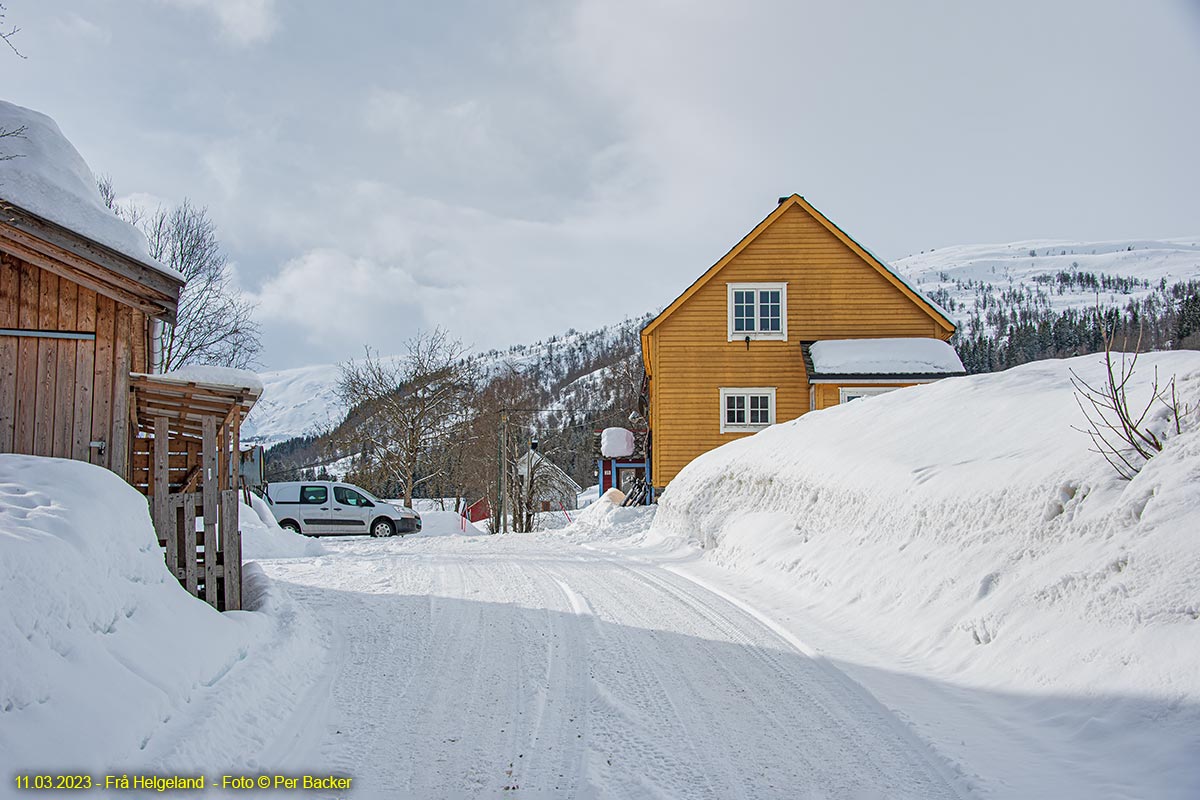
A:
<point x="365" y="493"/>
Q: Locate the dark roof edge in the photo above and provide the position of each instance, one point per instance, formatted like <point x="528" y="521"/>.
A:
<point x="97" y="252"/>
<point x="898" y="377"/>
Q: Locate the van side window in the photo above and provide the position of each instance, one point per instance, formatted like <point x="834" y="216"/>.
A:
<point x="314" y="495"/>
<point x="349" y="497"/>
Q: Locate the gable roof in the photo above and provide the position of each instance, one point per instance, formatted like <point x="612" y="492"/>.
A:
<point x="64" y="252"/>
<point x="938" y="313"/>
<point x="556" y="473"/>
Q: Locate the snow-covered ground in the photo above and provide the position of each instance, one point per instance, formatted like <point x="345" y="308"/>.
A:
<point x="106" y="663"/>
<point x="525" y="666"/>
<point x="958" y="550"/>
<point x="938" y="592"/>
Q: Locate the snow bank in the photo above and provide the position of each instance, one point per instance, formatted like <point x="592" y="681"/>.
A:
<point x="588" y="495"/>
<point x="107" y="662"/>
<point x="606" y="519"/>
<point x="884" y="356"/>
<point x="445" y="523"/>
<point x="49" y="178"/>
<point x="964" y="529"/>
<point x="263" y="538"/>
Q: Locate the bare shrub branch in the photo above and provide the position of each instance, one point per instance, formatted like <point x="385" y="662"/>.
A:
<point x="1118" y="432"/>
<point x="7" y="35"/>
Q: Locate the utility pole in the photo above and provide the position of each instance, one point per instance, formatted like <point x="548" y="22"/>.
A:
<point x="498" y="509"/>
<point x="503" y="470"/>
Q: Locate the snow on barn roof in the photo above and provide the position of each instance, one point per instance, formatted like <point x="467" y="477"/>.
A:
<point x="42" y="173"/>
<point x="214" y="376"/>
<point x="900" y="357"/>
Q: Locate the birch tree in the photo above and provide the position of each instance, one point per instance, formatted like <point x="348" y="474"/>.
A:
<point x="413" y="408"/>
<point x="215" y="323"/>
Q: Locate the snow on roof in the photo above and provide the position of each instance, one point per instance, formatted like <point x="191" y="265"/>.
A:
<point x="908" y="356"/>
<point x="536" y="459"/>
<point x="213" y="376"/>
<point x="45" y="175"/>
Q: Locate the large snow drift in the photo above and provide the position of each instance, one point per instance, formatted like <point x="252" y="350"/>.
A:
<point x="46" y="176"/>
<point x="107" y="663"/>
<point x="965" y="530"/>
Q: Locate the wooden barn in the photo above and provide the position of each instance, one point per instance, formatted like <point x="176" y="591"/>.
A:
<point x="80" y="302"/>
<point x="735" y="352"/>
<point x="75" y="319"/>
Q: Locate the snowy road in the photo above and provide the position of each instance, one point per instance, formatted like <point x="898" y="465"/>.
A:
<point x="526" y="667"/>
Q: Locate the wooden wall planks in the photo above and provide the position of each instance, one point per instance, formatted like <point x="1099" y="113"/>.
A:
<point x="58" y="395"/>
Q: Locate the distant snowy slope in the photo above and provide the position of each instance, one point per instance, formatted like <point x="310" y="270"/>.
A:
<point x="294" y="402"/>
<point x="303" y="400"/>
<point x="963" y="270"/>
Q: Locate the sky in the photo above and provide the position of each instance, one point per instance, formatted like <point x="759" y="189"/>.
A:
<point x="511" y="170"/>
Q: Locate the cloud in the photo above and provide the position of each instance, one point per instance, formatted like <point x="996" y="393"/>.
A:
<point x="224" y="166"/>
<point x="510" y="170"/>
<point x="74" y="26"/>
<point x="244" y="22"/>
<point x="337" y="302"/>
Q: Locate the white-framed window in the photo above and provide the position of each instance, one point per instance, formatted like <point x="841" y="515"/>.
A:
<point x="757" y="310"/>
<point x="848" y="393"/>
<point x="747" y="409"/>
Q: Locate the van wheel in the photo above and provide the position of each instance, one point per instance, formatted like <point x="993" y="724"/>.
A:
<point x="290" y="525"/>
<point x="382" y="527"/>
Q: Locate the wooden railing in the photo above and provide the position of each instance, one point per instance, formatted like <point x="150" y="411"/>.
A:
<point x="205" y="557"/>
<point x="191" y="486"/>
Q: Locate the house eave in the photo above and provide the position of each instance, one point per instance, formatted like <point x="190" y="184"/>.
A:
<point x="898" y="377"/>
<point x="60" y="250"/>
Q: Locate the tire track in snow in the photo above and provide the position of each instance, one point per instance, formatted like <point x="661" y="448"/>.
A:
<point x="520" y="667"/>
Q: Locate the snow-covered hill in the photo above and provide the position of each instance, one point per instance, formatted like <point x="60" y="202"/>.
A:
<point x="959" y="276"/>
<point x="571" y="368"/>
<point x="295" y="402"/>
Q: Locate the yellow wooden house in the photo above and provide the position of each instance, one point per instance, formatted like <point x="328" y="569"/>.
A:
<point x="796" y="317"/>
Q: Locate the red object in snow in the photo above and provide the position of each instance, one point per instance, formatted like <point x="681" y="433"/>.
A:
<point x="478" y="511"/>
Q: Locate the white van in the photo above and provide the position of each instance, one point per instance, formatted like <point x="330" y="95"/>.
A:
<point x="328" y="508"/>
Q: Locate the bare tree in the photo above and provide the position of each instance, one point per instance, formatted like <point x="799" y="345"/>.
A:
<point x="215" y="323"/>
<point x="16" y="133"/>
<point x="537" y="486"/>
<point x="414" y="407"/>
<point x="7" y="35"/>
<point x="1122" y="434"/>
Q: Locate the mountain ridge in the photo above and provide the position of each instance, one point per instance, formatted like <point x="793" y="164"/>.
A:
<point x="968" y="280"/>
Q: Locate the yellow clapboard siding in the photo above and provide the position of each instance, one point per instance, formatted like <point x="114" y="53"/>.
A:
<point x="834" y="291"/>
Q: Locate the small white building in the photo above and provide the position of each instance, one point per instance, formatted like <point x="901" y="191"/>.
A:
<point x="552" y="489"/>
